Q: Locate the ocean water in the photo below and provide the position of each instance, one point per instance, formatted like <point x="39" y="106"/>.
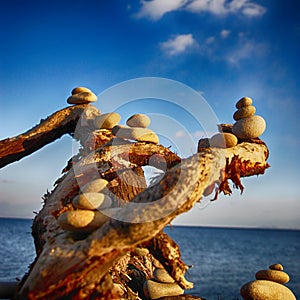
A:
<point x="223" y="259"/>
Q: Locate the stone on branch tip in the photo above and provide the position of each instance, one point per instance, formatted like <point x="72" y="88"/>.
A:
<point x="223" y="140"/>
<point x="135" y="133"/>
<point x="95" y="186"/>
<point x="81" y="220"/>
<point x="245" y="101"/>
<point x="249" y="128"/>
<point x="161" y="275"/>
<point x="107" y="121"/>
<point x="138" y="120"/>
<point x="80" y="89"/>
<point x="156" y="290"/>
<point x="82" y="98"/>
<point x="244" y="112"/>
<point x="92" y="201"/>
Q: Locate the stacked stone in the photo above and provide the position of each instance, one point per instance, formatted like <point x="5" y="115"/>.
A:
<point x="107" y="121"/>
<point x="162" y="285"/>
<point x="81" y="95"/>
<point x="223" y="140"/>
<point x="268" y="285"/>
<point x="136" y="129"/>
<point x="90" y="206"/>
<point x="247" y="125"/>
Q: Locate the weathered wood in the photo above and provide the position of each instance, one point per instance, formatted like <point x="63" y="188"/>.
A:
<point x="67" y="266"/>
<point x="55" y="126"/>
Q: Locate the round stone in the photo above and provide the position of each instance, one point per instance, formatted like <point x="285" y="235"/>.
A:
<point x="135" y="133"/>
<point x="156" y="290"/>
<point x="81" y="89"/>
<point x="278" y="267"/>
<point x="223" y="140"/>
<point x="245" y="101"/>
<point x="273" y="275"/>
<point x="107" y="121"/>
<point x="266" y="290"/>
<point x="249" y="128"/>
<point x="81" y="220"/>
<point x="141" y="251"/>
<point x="161" y="275"/>
<point x="95" y="186"/>
<point x="138" y="120"/>
<point x="244" y="112"/>
<point x="92" y="201"/>
<point x="82" y="98"/>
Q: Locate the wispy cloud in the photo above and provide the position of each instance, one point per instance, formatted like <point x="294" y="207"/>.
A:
<point x="178" y="44"/>
<point x="246" y="50"/>
<point x="224" y="33"/>
<point x="156" y="9"/>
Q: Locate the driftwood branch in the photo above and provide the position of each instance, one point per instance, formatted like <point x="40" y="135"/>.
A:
<point x="53" y="127"/>
<point x="96" y="265"/>
<point x="63" y="262"/>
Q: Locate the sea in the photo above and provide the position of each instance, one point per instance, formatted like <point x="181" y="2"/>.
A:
<point x="222" y="259"/>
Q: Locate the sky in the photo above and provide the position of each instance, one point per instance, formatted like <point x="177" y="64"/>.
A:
<point x="221" y="50"/>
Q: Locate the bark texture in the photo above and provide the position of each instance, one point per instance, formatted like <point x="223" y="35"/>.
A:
<point x="107" y="263"/>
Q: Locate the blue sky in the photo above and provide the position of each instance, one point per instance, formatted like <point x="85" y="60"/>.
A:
<point x="222" y="49"/>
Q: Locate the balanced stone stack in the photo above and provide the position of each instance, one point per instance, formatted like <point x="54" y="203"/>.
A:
<point x="162" y="285"/>
<point x="223" y="140"/>
<point x="136" y="129"/>
<point x="107" y="121"/>
<point x="89" y="208"/>
<point x="247" y="125"/>
<point x="81" y="95"/>
<point x="268" y="286"/>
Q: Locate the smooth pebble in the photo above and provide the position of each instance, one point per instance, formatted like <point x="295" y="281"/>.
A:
<point x="107" y="121"/>
<point x="244" y="112"/>
<point x="249" y="128"/>
<point x="163" y="276"/>
<point x="141" y="251"/>
<point x="82" y="98"/>
<point x="92" y="201"/>
<point x="81" y="89"/>
<point x="156" y="290"/>
<point x="81" y="220"/>
<point x="245" y="101"/>
<point x="138" y="120"/>
<point x="223" y="140"/>
<point x="273" y="275"/>
<point x="266" y="290"/>
<point x="135" y="133"/>
<point x="95" y="186"/>
<point x="278" y="267"/>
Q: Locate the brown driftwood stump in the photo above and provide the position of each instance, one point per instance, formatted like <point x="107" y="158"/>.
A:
<point x="107" y="263"/>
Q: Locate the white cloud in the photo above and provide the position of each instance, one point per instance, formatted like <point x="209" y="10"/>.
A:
<point x="253" y="10"/>
<point x="155" y="9"/>
<point x="223" y="7"/>
<point x="246" y="50"/>
<point x="178" y="44"/>
<point x="224" y="33"/>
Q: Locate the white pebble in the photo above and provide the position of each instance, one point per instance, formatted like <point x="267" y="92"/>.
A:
<point x="138" y="120"/>
<point x="249" y="128"/>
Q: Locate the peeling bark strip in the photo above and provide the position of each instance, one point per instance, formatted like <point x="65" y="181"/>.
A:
<point x="52" y="128"/>
<point x="69" y="266"/>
